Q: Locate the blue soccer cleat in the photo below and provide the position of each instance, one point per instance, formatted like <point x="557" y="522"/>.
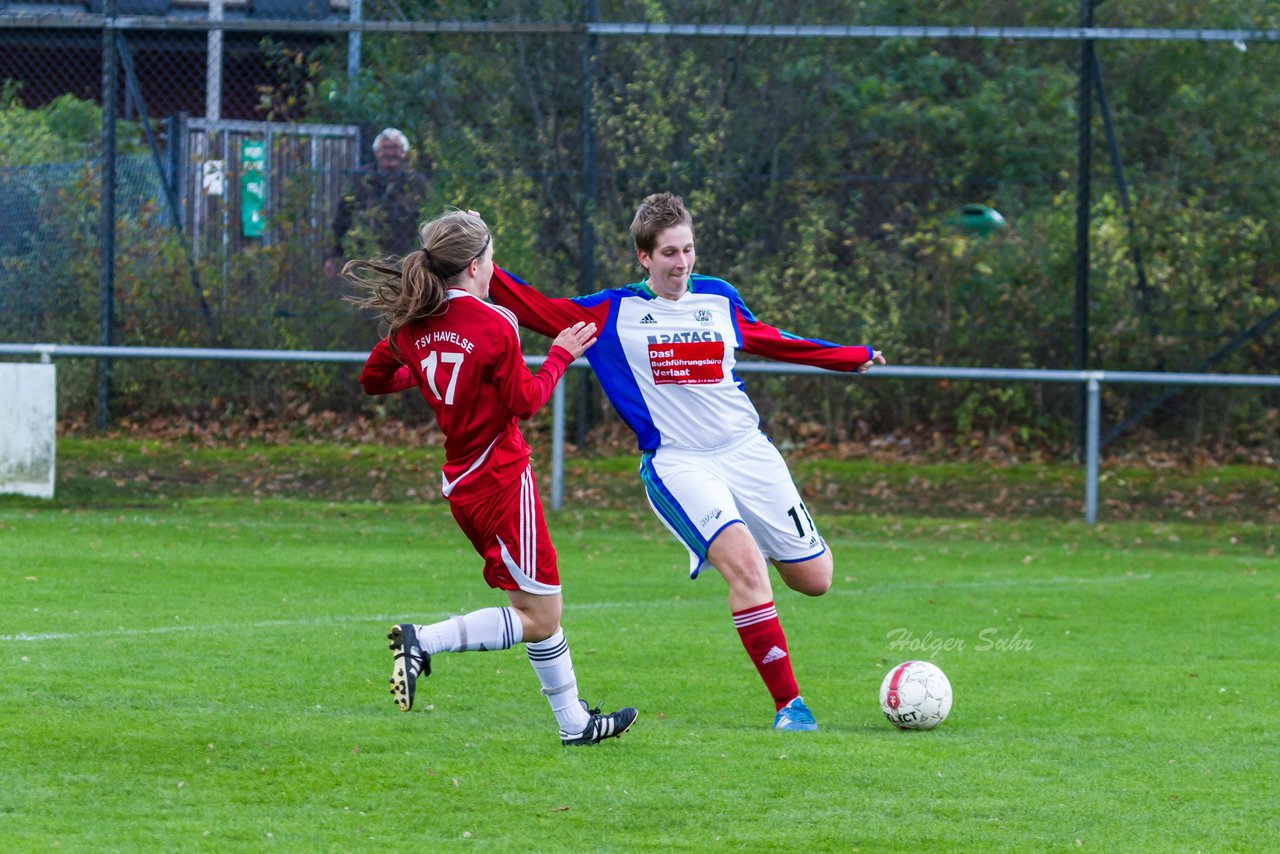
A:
<point x="795" y="717"/>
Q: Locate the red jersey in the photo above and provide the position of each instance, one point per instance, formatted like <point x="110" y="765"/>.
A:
<point x="468" y="365"/>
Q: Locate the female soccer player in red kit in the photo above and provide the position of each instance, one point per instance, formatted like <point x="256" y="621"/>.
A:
<point x="464" y="355"/>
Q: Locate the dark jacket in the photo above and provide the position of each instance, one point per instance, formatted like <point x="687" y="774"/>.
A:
<point x="386" y="207"/>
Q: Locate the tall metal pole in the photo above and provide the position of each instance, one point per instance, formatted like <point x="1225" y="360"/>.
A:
<point x="1084" y="166"/>
<point x="107" y="209"/>
<point x="213" y="65"/>
<point x="353" y="46"/>
<point x="587" y="210"/>
<point x="587" y="239"/>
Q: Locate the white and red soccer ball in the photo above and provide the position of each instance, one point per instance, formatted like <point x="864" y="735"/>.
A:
<point x="915" y="695"/>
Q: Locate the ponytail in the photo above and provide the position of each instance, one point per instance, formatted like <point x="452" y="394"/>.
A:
<point x="403" y="290"/>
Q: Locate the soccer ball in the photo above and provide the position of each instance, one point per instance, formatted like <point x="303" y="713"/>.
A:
<point x="915" y="695"/>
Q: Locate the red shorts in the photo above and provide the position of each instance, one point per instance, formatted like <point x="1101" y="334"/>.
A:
<point x="508" y="530"/>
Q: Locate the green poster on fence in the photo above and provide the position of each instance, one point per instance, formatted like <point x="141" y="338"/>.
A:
<point x="253" y="166"/>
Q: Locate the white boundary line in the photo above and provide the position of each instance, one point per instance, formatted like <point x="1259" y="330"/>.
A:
<point x="122" y="632"/>
<point x="992" y="584"/>
<point x="26" y="637"/>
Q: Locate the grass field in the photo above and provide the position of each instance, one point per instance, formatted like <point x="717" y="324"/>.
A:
<point x="205" y="672"/>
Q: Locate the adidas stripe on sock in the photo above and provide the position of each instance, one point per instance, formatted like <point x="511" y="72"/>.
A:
<point x="553" y="664"/>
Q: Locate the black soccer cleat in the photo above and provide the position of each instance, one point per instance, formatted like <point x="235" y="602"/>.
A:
<point x="601" y="726"/>
<point x="409" y="665"/>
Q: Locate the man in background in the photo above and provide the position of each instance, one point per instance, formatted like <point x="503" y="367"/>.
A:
<point x="379" y="209"/>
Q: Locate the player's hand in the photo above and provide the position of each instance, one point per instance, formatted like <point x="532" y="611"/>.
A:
<point x="877" y="358"/>
<point x="577" y="338"/>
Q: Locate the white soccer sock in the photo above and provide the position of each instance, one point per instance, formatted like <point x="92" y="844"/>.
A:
<point x="551" y="661"/>
<point x="488" y="628"/>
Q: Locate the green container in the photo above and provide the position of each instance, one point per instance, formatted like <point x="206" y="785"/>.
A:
<point x="979" y="219"/>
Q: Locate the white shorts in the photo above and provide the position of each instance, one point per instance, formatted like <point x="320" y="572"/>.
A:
<point x="697" y="494"/>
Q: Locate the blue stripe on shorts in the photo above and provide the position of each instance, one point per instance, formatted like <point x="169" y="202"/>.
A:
<point x="670" y="510"/>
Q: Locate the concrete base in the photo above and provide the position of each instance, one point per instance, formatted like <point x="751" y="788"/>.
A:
<point x="28" y="428"/>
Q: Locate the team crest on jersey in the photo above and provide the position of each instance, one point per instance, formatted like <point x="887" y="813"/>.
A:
<point x="702" y="316"/>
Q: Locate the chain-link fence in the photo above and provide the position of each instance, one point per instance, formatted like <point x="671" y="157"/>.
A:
<point x="843" y="179"/>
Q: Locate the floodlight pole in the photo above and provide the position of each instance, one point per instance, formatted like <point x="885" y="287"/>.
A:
<point x="213" y="64"/>
<point x="107" y="209"/>
<point x="355" y="14"/>
<point x="1084" y="166"/>
<point x="587" y="209"/>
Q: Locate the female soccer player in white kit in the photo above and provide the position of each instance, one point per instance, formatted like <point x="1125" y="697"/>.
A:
<point x="665" y="358"/>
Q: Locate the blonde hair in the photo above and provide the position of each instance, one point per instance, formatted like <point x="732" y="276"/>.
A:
<point x="402" y="290"/>
<point x="658" y="212"/>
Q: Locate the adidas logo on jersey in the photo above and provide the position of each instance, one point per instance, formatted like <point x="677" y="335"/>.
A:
<point x="647" y="320"/>
<point x="773" y="654"/>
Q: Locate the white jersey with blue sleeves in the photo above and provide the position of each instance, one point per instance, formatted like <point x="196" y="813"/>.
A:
<point x="667" y="366"/>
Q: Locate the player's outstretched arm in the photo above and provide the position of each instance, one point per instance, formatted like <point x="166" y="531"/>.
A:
<point x="534" y="309"/>
<point x="761" y="339"/>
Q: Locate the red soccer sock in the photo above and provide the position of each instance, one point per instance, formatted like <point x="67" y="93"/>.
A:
<point x="761" y="634"/>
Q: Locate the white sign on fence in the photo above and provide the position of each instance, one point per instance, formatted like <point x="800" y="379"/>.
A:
<point x="28" y="429"/>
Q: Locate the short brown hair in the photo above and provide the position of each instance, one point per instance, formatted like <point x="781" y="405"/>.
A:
<point x="658" y="212"/>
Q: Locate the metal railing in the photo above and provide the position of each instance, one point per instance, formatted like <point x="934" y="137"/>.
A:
<point x="1093" y="381"/>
